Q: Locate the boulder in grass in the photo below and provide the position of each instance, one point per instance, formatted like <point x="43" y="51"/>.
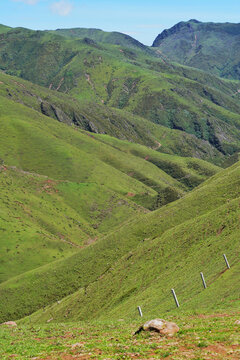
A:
<point x="160" y="326"/>
<point x="9" y="323"/>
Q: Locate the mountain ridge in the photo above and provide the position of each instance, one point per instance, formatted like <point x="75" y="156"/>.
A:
<point x="203" y="45"/>
<point x="127" y="79"/>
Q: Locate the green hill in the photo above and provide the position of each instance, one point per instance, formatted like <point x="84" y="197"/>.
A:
<point x="106" y="194"/>
<point x="99" y="118"/>
<point x="43" y="220"/>
<point x="66" y="153"/>
<point x="138" y="263"/>
<point x="203" y="46"/>
<point x="64" y="188"/>
<point x="4" y="29"/>
<point x="129" y="79"/>
<point x="98" y="35"/>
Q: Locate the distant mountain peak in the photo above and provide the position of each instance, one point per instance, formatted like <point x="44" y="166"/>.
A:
<point x="203" y="45"/>
<point x="194" y="21"/>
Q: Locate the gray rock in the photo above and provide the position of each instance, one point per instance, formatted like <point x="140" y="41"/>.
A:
<point x="160" y="326"/>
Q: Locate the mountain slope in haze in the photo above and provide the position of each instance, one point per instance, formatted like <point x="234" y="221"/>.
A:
<point x="212" y="47"/>
<point x="128" y="79"/>
<point x="138" y="263"/>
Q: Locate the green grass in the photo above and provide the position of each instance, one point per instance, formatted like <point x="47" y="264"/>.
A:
<point x="93" y="222"/>
<point x="70" y="188"/>
<point x="4" y="29"/>
<point x="43" y="220"/>
<point x="130" y="79"/>
<point x="138" y="263"/>
<point x="99" y="118"/>
<point x="200" y="337"/>
<point x="67" y="154"/>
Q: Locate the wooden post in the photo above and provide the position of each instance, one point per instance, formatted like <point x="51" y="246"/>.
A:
<point x="175" y="298"/>
<point x="226" y="261"/>
<point x="203" y="280"/>
<point x="140" y="311"/>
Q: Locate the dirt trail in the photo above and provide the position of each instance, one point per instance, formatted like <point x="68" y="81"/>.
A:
<point x="158" y="145"/>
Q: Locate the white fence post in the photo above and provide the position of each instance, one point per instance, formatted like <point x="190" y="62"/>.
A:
<point x="140" y="311"/>
<point x="226" y="261"/>
<point x="175" y="298"/>
<point x="203" y="280"/>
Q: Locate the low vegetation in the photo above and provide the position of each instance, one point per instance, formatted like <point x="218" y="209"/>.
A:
<point x="202" y="337"/>
<point x="119" y="181"/>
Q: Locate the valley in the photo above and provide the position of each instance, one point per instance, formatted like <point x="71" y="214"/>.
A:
<point x="119" y="181"/>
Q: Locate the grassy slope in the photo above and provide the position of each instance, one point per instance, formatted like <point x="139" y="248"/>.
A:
<point x="104" y="181"/>
<point x="167" y="99"/>
<point x="146" y="275"/>
<point x="125" y="263"/>
<point x="65" y="153"/>
<point x="4" y="29"/>
<point x="203" y="45"/>
<point x="101" y="36"/>
<point x="128" y="79"/>
<point x="99" y="118"/>
<point x="43" y="220"/>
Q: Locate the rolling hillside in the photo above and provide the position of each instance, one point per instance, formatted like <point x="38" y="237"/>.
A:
<point x="64" y="188"/>
<point x="43" y="220"/>
<point x="99" y="118"/>
<point x="131" y="80"/>
<point x="114" y="38"/>
<point x="138" y="263"/>
<point x="111" y="190"/>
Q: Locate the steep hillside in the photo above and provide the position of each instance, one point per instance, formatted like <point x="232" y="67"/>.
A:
<point x="99" y="118"/>
<point x="42" y="220"/>
<point x="138" y="263"/>
<point x="63" y="188"/>
<point x="128" y="79"/>
<point x="107" y="201"/>
<point x="65" y="153"/>
<point x="203" y="45"/>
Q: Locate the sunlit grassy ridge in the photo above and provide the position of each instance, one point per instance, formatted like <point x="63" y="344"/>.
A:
<point x="64" y="153"/>
<point x="138" y="263"/>
<point x="93" y="222"/>
<point x="99" y="118"/>
<point x="146" y="274"/>
<point x="43" y="219"/>
<point x="130" y="79"/>
<point x="92" y="184"/>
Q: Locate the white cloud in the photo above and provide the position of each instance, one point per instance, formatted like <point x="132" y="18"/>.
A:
<point x="28" y="2"/>
<point x="62" y="7"/>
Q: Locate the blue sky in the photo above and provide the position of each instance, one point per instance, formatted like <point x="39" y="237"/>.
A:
<point x="141" y="19"/>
